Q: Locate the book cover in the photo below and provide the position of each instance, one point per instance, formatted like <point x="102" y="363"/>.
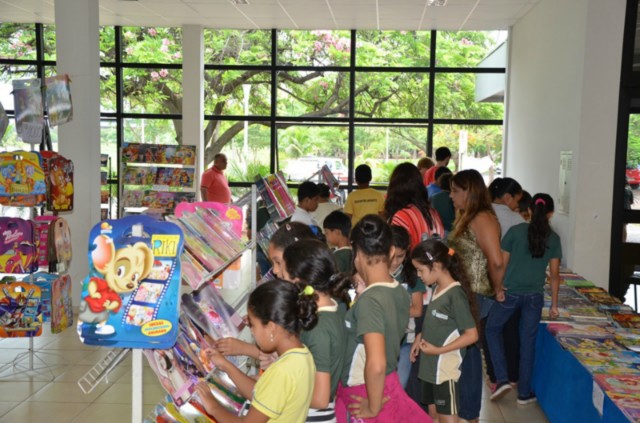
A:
<point x="620" y="384"/>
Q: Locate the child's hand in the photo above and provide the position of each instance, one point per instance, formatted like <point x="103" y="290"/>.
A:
<point x="229" y="346"/>
<point x="428" y="348"/>
<point x="361" y="409"/>
<point x="267" y="359"/>
<point x="217" y="359"/>
<point x="415" y="350"/>
<point x="206" y="397"/>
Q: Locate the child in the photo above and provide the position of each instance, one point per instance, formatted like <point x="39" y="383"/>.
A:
<point x="286" y="235"/>
<point x="337" y="227"/>
<point x="278" y="311"/>
<point x="325" y="205"/>
<point x="370" y="389"/>
<point x="527" y="249"/>
<point x="364" y="200"/>
<point x="307" y="203"/>
<point x="403" y="271"/>
<point x="524" y="206"/>
<point x="311" y="261"/>
<point x="449" y="325"/>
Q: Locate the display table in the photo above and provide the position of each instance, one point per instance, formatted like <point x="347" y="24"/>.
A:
<point x="564" y="387"/>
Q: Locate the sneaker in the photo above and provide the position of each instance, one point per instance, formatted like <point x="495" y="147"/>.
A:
<point x="502" y="389"/>
<point x="529" y="399"/>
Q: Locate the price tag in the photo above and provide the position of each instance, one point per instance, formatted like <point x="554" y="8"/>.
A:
<point x="598" y="397"/>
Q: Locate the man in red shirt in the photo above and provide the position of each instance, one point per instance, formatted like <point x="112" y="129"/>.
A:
<point x="443" y="154"/>
<point x="214" y="185"/>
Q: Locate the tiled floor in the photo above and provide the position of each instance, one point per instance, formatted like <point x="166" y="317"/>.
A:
<point x="54" y="396"/>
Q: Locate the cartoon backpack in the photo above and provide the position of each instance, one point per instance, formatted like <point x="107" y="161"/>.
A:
<point x="20" y="312"/>
<point x="18" y="246"/>
<point x="42" y="224"/>
<point x="130" y="299"/>
<point x="22" y="181"/>
<point x="59" y="180"/>
<point x="59" y="245"/>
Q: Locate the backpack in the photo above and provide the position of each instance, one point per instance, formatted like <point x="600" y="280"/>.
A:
<point x="18" y="245"/>
<point x="22" y="182"/>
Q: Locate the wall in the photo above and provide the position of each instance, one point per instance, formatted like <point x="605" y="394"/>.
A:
<point x="564" y="72"/>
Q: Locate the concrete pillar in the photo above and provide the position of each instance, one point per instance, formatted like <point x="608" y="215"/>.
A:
<point x="193" y="93"/>
<point x="77" y="49"/>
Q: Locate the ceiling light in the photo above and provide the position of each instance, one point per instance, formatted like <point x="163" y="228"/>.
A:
<point x="239" y="1"/>
<point x="436" y="2"/>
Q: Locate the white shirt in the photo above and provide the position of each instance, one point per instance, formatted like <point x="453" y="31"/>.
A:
<point x="506" y="217"/>
<point x="303" y="216"/>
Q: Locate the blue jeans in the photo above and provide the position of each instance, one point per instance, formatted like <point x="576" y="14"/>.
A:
<point x="404" y="364"/>
<point x="530" y="306"/>
<point x="470" y="384"/>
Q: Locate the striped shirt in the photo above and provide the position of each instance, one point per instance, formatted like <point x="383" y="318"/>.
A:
<point x="412" y="219"/>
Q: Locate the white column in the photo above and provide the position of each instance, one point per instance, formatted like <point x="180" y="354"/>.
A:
<point x="77" y="49"/>
<point x="193" y="93"/>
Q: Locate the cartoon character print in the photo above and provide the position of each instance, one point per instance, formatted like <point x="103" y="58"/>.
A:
<point x="122" y="271"/>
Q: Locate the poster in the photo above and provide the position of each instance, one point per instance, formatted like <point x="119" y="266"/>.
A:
<point x="564" y="187"/>
<point x="58" y="99"/>
<point x="4" y="122"/>
<point x="28" y="108"/>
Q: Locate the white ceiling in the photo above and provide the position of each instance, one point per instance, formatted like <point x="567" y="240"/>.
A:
<point x="290" y="14"/>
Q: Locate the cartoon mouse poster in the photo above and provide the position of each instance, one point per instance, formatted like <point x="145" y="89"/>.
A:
<point x="116" y="306"/>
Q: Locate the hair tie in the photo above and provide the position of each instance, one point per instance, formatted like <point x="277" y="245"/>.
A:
<point x="334" y="277"/>
<point x="540" y="201"/>
<point x="308" y="290"/>
<point x="287" y="227"/>
<point x="451" y="251"/>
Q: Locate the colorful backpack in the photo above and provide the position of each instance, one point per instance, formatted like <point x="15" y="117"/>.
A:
<point x="59" y="179"/>
<point x="22" y="181"/>
<point x="20" y="311"/>
<point x="18" y="246"/>
<point x="59" y="246"/>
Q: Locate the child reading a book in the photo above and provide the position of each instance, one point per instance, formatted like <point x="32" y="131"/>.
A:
<point x="286" y="235"/>
<point x="310" y="261"/>
<point x="337" y="227"/>
<point x="307" y="203"/>
<point x="278" y="312"/>
<point x="449" y="327"/>
<point x="527" y="249"/>
<point x="370" y="389"/>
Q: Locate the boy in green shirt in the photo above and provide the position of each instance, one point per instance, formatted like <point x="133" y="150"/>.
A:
<point x="337" y="227"/>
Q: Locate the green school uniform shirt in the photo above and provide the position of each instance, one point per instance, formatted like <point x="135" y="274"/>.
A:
<point x="526" y="274"/>
<point x="381" y="308"/>
<point x="448" y="315"/>
<point x="344" y="259"/>
<point x="327" y="342"/>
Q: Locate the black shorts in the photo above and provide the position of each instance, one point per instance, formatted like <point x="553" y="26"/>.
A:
<point x="445" y="396"/>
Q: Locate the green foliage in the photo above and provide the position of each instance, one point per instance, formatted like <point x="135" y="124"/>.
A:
<point x="633" y="142"/>
<point x="311" y="94"/>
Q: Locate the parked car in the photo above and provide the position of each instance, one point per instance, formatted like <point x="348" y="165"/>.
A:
<point x="633" y="177"/>
<point x="304" y="167"/>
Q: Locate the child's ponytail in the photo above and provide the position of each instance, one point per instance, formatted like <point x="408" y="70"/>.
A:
<point x="539" y="229"/>
<point x="307" y="306"/>
<point x="291" y="306"/>
<point x="312" y="262"/>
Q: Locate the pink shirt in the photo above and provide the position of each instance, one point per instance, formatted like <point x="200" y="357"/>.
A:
<point x="217" y="186"/>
